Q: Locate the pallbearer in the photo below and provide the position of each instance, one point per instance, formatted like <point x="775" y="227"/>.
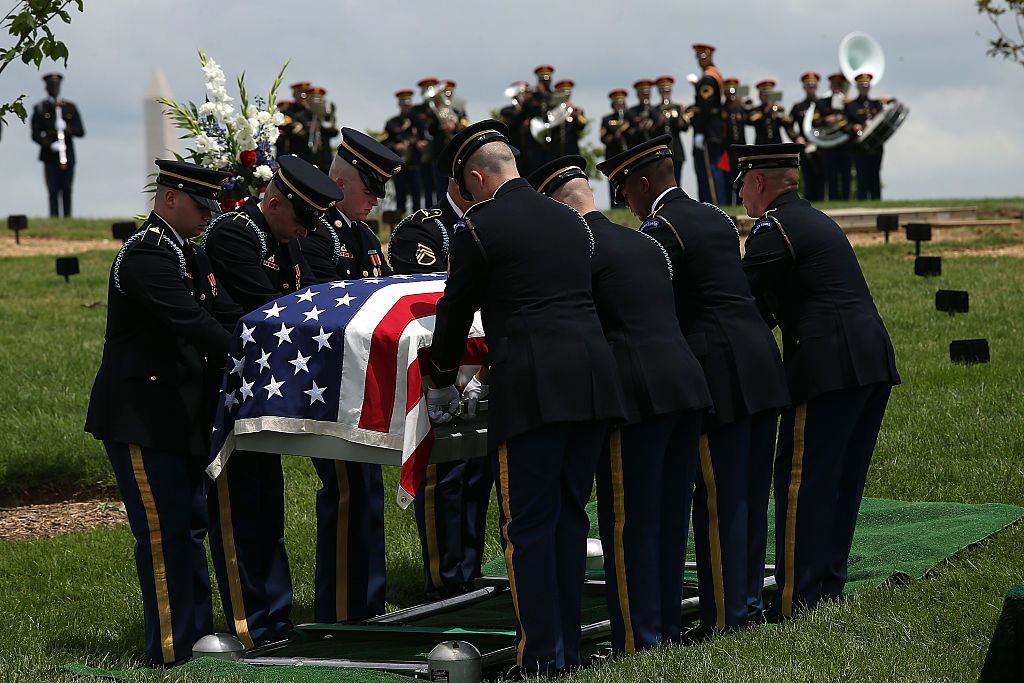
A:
<point x="645" y="475"/>
<point x="168" y="323"/>
<point x="840" y="368"/>
<point x="742" y="367"/>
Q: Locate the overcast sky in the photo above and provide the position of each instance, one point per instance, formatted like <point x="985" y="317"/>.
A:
<point x="964" y="136"/>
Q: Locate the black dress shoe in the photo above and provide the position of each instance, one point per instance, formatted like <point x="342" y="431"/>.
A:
<point x="773" y="616"/>
<point x="698" y="634"/>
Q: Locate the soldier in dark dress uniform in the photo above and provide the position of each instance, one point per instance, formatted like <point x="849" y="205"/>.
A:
<point x="523" y="260"/>
<point x="55" y="123"/>
<point x="323" y="127"/>
<point x="152" y="404"/>
<point x="564" y="139"/>
<point x="867" y="162"/>
<point x="645" y="475"/>
<point x="811" y="165"/>
<point x="255" y="253"/>
<point x="641" y="116"/>
<point x="451" y="504"/>
<point x="427" y="130"/>
<point x="614" y="127"/>
<point x="838" y="160"/>
<point x="769" y="118"/>
<point x="294" y="137"/>
<point x="536" y="106"/>
<point x="516" y="116"/>
<point x="352" y="493"/>
<point x="400" y="138"/>
<point x="709" y="129"/>
<point x="737" y="116"/>
<point x="839" y="364"/>
<point x="672" y="120"/>
<point x="741" y="363"/>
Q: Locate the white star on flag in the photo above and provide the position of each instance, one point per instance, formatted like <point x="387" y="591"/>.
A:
<point x="230" y="400"/>
<point x="312" y="314"/>
<point x="247" y="335"/>
<point x="316" y="394"/>
<point x="307" y="295"/>
<point x="274" y="387"/>
<point x="341" y="284"/>
<point x="374" y="280"/>
<point x="262" y="360"/>
<point x="345" y="300"/>
<point x="300" y="362"/>
<point x="274" y="311"/>
<point x="238" y="363"/>
<point x="321" y="339"/>
<point x="284" y="334"/>
<point x="246" y="389"/>
<point x="401" y="277"/>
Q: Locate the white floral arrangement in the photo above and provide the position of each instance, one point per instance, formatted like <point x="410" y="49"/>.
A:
<point x="241" y="142"/>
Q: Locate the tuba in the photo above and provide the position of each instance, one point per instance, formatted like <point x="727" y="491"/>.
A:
<point x="516" y="92"/>
<point x="860" y="53"/>
<point x="441" y="105"/>
<point x="559" y="111"/>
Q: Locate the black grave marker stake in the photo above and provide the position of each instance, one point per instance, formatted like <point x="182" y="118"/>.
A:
<point x="917" y="233"/>
<point x="952" y="301"/>
<point x="969" y="351"/>
<point x="67" y="266"/>
<point x="17" y="223"/>
<point x="887" y="223"/>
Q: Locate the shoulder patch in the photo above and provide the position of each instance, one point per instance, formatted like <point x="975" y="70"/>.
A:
<point x="762" y="225"/>
<point x="706" y="91"/>
<point x="650" y="224"/>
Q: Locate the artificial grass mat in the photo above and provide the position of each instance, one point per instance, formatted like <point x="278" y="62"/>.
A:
<point x="894" y="539"/>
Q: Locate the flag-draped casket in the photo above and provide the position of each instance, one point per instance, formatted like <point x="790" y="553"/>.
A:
<point x="333" y="371"/>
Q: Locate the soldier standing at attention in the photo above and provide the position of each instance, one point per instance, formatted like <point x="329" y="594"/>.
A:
<point x="709" y="129"/>
<point x="400" y="138"/>
<point x="838" y="160"/>
<point x="350" y="568"/>
<point x="553" y="382"/>
<point x="671" y="120"/>
<point x="153" y="402"/>
<point x="741" y="363"/>
<point x="613" y="129"/>
<point x="645" y="475"/>
<point x="255" y="253"/>
<point x="811" y="165"/>
<point x="294" y="138"/>
<point x="641" y="115"/>
<point x="840" y="367"/>
<point x="859" y="112"/>
<point x="55" y="123"/>
<point x="769" y="119"/>
<point x="737" y="117"/>
<point x="564" y="139"/>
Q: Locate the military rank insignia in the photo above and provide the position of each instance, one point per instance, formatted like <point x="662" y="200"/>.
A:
<point x="425" y="256"/>
<point x="213" y="284"/>
<point x="271" y="263"/>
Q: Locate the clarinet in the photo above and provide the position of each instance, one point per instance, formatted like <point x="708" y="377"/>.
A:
<point x="59" y="124"/>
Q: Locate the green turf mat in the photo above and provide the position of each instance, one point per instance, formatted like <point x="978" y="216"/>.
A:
<point x="208" y="668"/>
<point x="893" y="538"/>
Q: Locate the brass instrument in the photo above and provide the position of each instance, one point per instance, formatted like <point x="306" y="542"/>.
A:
<point x="559" y="111"/>
<point x="323" y="117"/>
<point x="517" y="92"/>
<point x="60" y="124"/>
<point x="440" y="105"/>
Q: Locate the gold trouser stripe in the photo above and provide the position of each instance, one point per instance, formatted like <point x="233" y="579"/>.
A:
<point x="619" y="499"/>
<point x="714" y="536"/>
<point x="227" y="532"/>
<point x="156" y="549"/>
<point x="711" y="178"/>
<point x="509" y="550"/>
<point x="341" y="543"/>
<point x="795" y="474"/>
<point x="429" y="510"/>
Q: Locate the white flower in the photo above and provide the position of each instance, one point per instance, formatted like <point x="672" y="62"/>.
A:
<point x="250" y="111"/>
<point x="207" y="145"/>
<point x="277" y="119"/>
<point x="213" y="72"/>
<point x="262" y="173"/>
<point x="208" y="109"/>
<point x="262" y="117"/>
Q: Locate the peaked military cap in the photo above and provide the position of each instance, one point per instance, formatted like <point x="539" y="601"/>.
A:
<point x="308" y="188"/>
<point x="53" y="78"/>
<point x="619" y="167"/>
<point x="703" y="49"/>
<point x="466" y="143"/>
<point x="836" y="78"/>
<point x="427" y="82"/>
<point x="375" y="162"/>
<point x="766" y="84"/>
<point x="863" y="77"/>
<point x="404" y="94"/>
<point x="566" y="84"/>
<point x="552" y="175"/>
<point x="618" y="94"/>
<point x="202" y="184"/>
<point x="664" y="80"/>
<point x="643" y="84"/>
<point x="753" y="157"/>
<point x="810" y="77"/>
<point x="544" y="71"/>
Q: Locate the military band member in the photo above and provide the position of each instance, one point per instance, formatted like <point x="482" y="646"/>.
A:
<point x="742" y="367"/>
<point x="672" y="119"/>
<point x="641" y="116"/>
<point x="769" y="119"/>
<point x="537" y="105"/>
<point x="564" y="139"/>
<point x="811" y="165"/>
<point x="840" y="367"/>
<point x="400" y="138"/>
<point x="323" y="127"/>
<point x="709" y="129"/>
<point x="553" y="381"/>
<point x="426" y="125"/>
<point x="859" y="112"/>
<point x="451" y="504"/>
<point x="838" y="160"/>
<point x="737" y="117"/>
<point x="645" y="474"/>
<point x="614" y="127"/>
<point x="255" y="253"/>
<point x="516" y="118"/>
<point x="55" y="124"/>
<point x="294" y="137"/>
<point x="153" y="401"/>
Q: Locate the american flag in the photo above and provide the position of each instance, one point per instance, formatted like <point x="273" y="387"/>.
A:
<point x="338" y="359"/>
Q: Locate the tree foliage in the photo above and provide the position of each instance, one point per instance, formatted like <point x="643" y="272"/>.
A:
<point x="28" y="25"/>
<point x="1008" y="18"/>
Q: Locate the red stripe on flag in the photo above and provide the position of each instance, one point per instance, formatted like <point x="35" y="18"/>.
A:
<point x="382" y="364"/>
<point x="415" y="468"/>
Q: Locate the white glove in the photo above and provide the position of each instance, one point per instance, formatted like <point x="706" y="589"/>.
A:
<point x="472" y="394"/>
<point x="698" y="141"/>
<point x="442" y="404"/>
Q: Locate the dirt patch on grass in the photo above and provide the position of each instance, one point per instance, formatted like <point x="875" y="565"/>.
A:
<point x="45" y="520"/>
<point x="43" y="246"/>
<point x="1005" y="250"/>
<point x="866" y="239"/>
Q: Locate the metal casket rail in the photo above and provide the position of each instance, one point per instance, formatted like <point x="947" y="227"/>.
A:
<point x="460" y="439"/>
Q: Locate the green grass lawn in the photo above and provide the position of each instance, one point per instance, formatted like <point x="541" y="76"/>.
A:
<point x="952" y="433"/>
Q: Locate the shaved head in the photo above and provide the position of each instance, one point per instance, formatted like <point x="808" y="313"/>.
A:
<point x="577" y="194"/>
<point x="494" y="158"/>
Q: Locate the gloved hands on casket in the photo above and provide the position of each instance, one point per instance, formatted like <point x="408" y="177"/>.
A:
<point x="442" y="404"/>
<point x="473" y="393"/>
